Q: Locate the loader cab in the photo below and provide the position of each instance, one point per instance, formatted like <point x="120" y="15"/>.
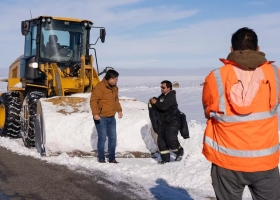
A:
<point x="54" y="40"/>
<point x="61" y="41"/>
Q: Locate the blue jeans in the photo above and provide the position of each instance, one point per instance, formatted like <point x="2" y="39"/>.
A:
<point x="106" y="126"/>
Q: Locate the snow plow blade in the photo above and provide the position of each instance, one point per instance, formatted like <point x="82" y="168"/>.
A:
<point x="65" y="125"/>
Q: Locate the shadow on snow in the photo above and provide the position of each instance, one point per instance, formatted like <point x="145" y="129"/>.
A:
<point x="163" y="191"/>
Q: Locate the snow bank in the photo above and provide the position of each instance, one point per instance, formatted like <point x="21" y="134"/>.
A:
<point x="69" y="126"/>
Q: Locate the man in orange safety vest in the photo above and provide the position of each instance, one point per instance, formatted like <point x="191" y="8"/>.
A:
<point x="241" y="140"/>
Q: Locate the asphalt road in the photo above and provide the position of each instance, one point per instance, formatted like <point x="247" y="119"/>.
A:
<point x="24" y="178"/>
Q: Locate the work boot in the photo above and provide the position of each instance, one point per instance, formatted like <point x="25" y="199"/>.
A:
<point x="102" y="161"/>
<point x="162" y="162"/>
<point x="179" y="154"/>
<point x="178" y="157"/>
<point x="114" y="161"/>
<point x="164" y="158"/>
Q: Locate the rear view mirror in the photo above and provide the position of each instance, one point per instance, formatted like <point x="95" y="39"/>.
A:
<point x="102" y="35"/>
<point x="24" y="27"/>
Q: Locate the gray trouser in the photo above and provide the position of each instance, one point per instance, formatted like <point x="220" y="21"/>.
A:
<point x="230" y="184"/>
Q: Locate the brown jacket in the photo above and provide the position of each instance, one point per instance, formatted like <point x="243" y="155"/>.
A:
<point x="104" y="100"/>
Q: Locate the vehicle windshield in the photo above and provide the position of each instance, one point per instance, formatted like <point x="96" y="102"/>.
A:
<point x="62" y="41"/>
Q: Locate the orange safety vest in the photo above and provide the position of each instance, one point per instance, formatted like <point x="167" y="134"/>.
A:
<point x="242" y="138"/>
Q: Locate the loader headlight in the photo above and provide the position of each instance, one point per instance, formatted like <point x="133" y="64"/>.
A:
<point x="33" y="65"/>
<point x="85" y="24"/>
<point x="43" y="19"/>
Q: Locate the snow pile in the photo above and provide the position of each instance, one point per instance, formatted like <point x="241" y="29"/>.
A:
<point x="69" y="126"/>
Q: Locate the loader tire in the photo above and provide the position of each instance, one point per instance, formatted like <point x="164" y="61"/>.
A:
<point x="10" y="115"/>
<point x="28" y="117"/>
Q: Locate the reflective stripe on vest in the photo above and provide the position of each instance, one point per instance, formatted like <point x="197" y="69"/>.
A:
<point x="242" y="118"/>
<point x="221" y="91"/>
<point x="240" y="153"/>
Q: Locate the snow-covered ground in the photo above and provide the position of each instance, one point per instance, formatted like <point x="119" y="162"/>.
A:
<point x="188" y="179"/>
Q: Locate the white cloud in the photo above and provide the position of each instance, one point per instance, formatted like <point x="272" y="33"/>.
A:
<point x="199" y="45"/>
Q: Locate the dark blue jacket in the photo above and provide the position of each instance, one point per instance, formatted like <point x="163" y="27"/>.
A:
<point x="157" y="121"/>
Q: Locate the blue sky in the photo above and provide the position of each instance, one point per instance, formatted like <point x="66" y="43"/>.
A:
<point x="152" y="34"/>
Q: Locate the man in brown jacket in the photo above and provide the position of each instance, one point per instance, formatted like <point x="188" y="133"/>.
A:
<point x="104" y="103"/>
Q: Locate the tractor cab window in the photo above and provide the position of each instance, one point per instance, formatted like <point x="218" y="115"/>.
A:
<point x="30" y="42"/>
<point x="61" y="41"/>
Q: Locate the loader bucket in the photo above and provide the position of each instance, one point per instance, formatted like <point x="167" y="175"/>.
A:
<point x="39" y="130"/>
<point x="65" y="124"/>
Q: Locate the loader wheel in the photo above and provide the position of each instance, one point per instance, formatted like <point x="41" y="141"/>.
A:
<point x="28" y="117"/>
<point x="10" y="115"/>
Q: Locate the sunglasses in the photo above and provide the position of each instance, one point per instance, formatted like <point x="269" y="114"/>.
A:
<point x="162" y="87"/>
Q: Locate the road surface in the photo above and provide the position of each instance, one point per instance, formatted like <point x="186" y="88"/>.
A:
<point x="27" y="178"/>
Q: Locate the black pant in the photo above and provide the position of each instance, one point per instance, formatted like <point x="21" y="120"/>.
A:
<point x="229" y="185"/>
<point x="168" y="140"/>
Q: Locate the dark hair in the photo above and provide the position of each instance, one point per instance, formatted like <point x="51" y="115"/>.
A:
<point x="111" y="74"/>
<point x="167" y="83"/>
<point x="244" y="39"/>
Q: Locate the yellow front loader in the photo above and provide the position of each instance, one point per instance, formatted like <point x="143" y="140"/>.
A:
<point x="56" y="62"/>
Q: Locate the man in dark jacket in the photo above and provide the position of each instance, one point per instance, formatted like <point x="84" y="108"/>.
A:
<point x="168" y="123"/>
